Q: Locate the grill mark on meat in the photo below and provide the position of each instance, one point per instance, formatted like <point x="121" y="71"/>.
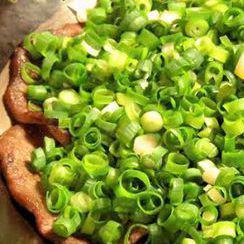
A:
<point x="15" y="97"/>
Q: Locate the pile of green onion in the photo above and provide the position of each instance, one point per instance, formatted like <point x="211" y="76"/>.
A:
<point x="152" y="93"/>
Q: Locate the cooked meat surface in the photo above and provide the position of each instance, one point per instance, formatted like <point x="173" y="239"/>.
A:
<point x="62" y="136"/>
<point x="16" y="146"/>
<point x="12" y="220"/>
<point x="69" y="30"/>
<point x="16" y="94"/>
<point x="137" y="235"/>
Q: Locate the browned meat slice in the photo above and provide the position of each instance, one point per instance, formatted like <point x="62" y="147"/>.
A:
<point x="15" y="96"/>
<point x="14" y="228"/>
<point x="62" y="136"/>
<point x="16" y="146"/>
<point x="69" y="30"/>
<point x="17" y="103"/>
<point x="137" y="235"/>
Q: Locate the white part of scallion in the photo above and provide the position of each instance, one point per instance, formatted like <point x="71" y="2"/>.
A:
<point x="169" y="17"/>
<point x="145" y="144"/>
<point x="239" y="69"/>
<point x="152" y="121"/>
<point x="110" y="108"/>
<point x="210" y="171"/>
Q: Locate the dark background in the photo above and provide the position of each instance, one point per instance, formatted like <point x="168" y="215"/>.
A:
<point x="17" y="20"/>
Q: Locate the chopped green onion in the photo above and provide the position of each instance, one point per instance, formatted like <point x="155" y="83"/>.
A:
<point x="95" y="165"/>
<point x="151" y="93"/>
<point x="37" y="93"/>
<point x="210" y="172"/>
<point x="221" y="228"/>
<point x="214" y="73"/>
<point x="176" y="163"/>
<point x="233" y="125"/>
<point x="30" y="73"/>
<point x="81" y="201"/>
<point x="150" y="202"/>
<point x="92" y="138"/>
<point x="167" y="218"/>
<point x="67" y="223"/>
<point x="38" y="159"/>
<point x="176" y="191"/>
<point x="57" y="198"/>
<point x="214" y="196"/>
<point x="69" y="98"/>
<point x="102" y="97"/>
<point x="131" y="183"/>
<point x="227" y="210"/>
<point x="75" y="73"/>
<point x="239" y="206"/>
<point x="145" y="144"/>
<point x="187" y="214"/>
<point x="172" y="119"/>
<point x="47" y="65"/>
<point x="133" y="21"/>
<point x="209" y="215"/>
<point x="148" y="39"/>
<point x="62" y="172"/>
<point x="110" y="232"/>
<point x="152" y="121"/>
<point x="196" y="27"/>
<point x="127" y="130"/>
<point x="199" y="149"/>
<point x="239" y="67"/>
<point x="236" y="187"/>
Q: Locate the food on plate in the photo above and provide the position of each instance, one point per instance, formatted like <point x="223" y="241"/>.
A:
<point x="16" y="146"/>
<point x="152" y="95"/>
<point x="16" y="94"/>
